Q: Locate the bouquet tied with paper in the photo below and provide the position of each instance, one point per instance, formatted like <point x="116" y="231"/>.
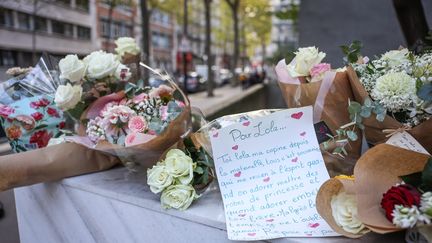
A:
<point x="389" y="191"/>
<point x="306" y="80"/>
<point x="115" y="118"/>
<point x="397" y="86"/>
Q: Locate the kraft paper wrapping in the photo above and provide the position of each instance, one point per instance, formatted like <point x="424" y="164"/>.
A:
<point x="330" y="101"/>
<point x="375" y="173"/>
<point x="331" y="188"/>
<point x="50" y="164"/>
<point x="147" y="154"/>
<point x="374" y="129"/>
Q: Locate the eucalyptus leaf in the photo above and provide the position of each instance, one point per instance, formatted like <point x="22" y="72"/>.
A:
<point x="199" y="170"/>
<point x="354" y="107"/>
<point x="352" y="135"/>
<point x="414" y="179"/>
<point x="425" y="92"/>
<point x="380" y="117"/>
<point x="427" y="174"/>
<point x="366" y="111"/>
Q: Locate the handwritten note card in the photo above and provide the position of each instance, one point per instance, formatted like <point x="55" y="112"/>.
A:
<point x="406" y="141"/>
<point x="269" y="171"/>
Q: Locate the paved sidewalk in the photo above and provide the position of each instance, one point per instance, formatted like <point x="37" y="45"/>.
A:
<point x="223" y="97"/>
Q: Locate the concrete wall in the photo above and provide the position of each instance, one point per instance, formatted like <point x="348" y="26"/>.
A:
<point x="328" y="24"/>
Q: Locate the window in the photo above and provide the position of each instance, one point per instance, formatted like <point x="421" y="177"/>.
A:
<point x="8" y="58"/>
<point x="65" y="2"/>
<point x="40" y="24"/>
<point x="84" y="33"/>
<point x="105" y="28"/>
<point x="62" y="28"/>
<point x="6" y="18"/>
<point x="24" y="21"/>
<point x="82" y="4"/>
<point x="125" y="30"/>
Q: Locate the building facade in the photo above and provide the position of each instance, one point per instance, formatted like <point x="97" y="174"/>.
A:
<point x="57" y="27"/>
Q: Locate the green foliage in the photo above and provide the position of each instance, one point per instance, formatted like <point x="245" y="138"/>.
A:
<point x="422" y="180"/>
<point x="352" y="52"/>
<point x="203" y="170"/>
<point x="347" y="132"/>
<point x="425" y="92"/>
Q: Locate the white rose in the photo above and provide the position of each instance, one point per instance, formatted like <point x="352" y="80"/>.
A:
<point x="67" y="96"/>
<point x="305" y="59"/>
<point x="178" y="196"/>
<point x="158" y="178"/>
<point x="396" y="57"/>
<point x="71" y="68"/>
<point x="123" y="73"/>
<point x="179" y="166"/>
<point x="101" y="64"/>
<point x="126" y="45"/>
<point x="344" y="210"/>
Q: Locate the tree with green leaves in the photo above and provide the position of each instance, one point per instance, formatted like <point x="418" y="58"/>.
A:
<point x="234" y="6"/>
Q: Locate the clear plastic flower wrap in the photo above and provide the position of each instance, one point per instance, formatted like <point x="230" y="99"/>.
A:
<point x="28" y="113"/>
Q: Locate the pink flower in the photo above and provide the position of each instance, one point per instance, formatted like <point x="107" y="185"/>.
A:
<point x="317" y="71"/>
<point x="141" y="97"/>
<point x="5" y="110"/>
<point x="181" y="104"/>
<point x="137" y="124"/>
<point x="164" y="112"/>
<point x="117" y="115"/>
<point x="161" y="91"/>
<point x="137" y="138"/>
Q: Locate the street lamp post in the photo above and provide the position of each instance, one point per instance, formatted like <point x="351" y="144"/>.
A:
<point x="185" y="44"/>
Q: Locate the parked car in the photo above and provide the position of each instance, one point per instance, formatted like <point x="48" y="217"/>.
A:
<point x="195" y="82"/>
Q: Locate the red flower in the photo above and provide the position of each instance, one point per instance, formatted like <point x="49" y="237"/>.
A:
<point x="44" y="102"/>
<point x="41" y="138"/>
<point x="37" y="116"/>
<point x="62" y="124"/>
<point x="405" y="195"/>
<point x="40" y="103"/>
<point x="53" y="112"/>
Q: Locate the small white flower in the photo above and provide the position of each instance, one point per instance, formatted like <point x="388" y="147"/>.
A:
<point x="405" y="217"/>
<point x="305" y="59"/>
<point x="101" y="64"/>
<point x="178" y="196"/>
<point x="395" y="91"/>
<point x="426" y="204"/>
<point x="68" y="96"/>
<point x="55" y="141"/>
<point x="344" y="210"/>
<point x="71" y="68"/>
<point x="158" y="178"/>
<point x="179" y="166"/>
<point x="126" y="45"/>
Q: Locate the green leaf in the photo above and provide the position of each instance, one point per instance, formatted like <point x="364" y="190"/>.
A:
<point x="414" y="179"/>
<point x="354" y="107"/>
<point x="77" y="111"/>
<point x="425" y="92"/>
<point x="368" y="102"/>
<point x="380" y="117"/>
<point x="365" y="111"/>
<point x="427" y="174"/>
<point x="40" y="126"/>
<point x="352" y="135"/>
<point x="199" y="170"/>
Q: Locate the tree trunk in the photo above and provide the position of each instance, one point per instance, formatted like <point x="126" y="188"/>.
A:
<point x="110" y="14"/>
<point x="412" y="20"/>
<point x="145" y="27"/>
<point x="234" y="5"/>
<point x="264" y="51"/>
<point x="210" y="81"/>
<point x="185" y="35"/>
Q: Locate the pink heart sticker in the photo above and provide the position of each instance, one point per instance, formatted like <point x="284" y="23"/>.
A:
<point x="295" y="159"/>
<point x="302" y="134"/>
<point x="269" y="220"/>
<point x="267" y="179"/>
<point x="235" y="147"/>
<point x="251" y="234"/>
<point x="297" y="115"/>
<point x="242" y="215"/>
<point x="313" y="225"/>
<point x="215" y="135"/>
<point x="246" y="123"/>
<point x="238" y="174"/>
